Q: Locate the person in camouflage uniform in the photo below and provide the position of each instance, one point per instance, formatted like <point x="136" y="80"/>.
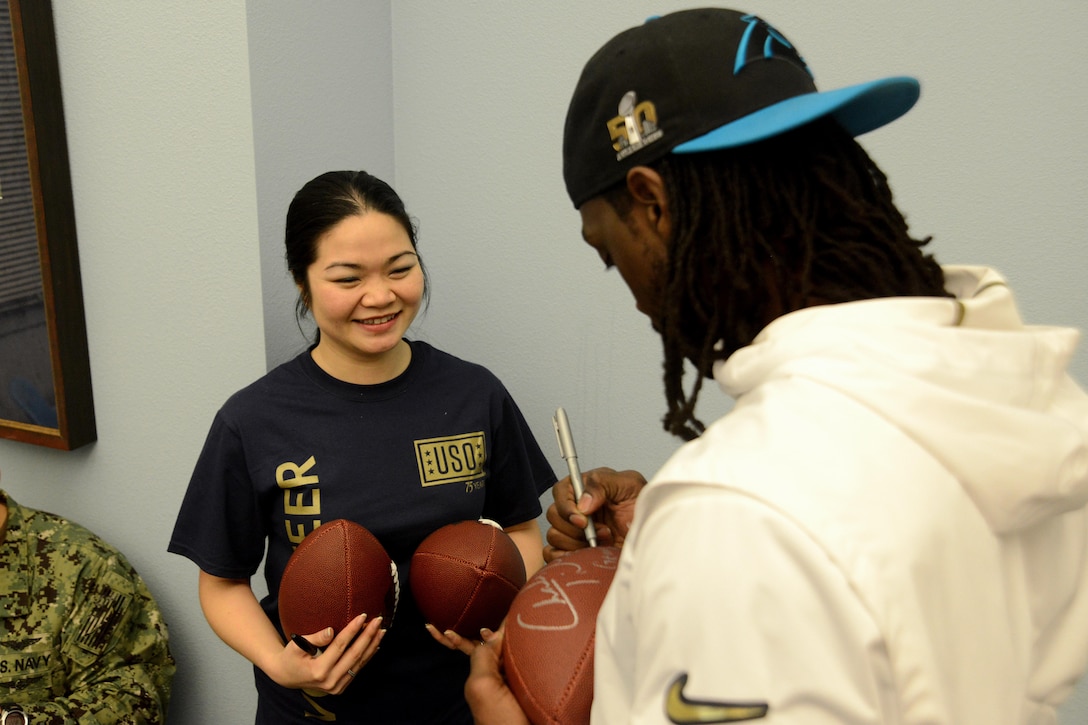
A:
<point x="81" y="638"/>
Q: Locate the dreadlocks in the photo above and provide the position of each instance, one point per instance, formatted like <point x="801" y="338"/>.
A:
<point x="758" y="231"/>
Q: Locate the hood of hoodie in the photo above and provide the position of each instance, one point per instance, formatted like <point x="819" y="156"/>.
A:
<point x="986" y="395"/>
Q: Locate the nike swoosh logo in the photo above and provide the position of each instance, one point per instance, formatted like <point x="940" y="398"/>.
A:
<point x="683" y="711"/>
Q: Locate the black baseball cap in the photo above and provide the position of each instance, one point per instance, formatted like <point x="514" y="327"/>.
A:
<point x="699" y="80"/>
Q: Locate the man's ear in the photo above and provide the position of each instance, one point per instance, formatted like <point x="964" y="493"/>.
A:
<point x="647" y="189"/>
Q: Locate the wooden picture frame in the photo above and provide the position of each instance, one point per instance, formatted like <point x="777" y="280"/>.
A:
<point x="43" y="334"/>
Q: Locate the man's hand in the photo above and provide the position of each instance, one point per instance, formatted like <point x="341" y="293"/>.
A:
<point x="488" y="695"/>
<point x="609" y="499"/>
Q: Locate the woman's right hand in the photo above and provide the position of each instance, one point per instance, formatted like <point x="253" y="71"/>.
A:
<point x="340" y="659"/>
<point x="609" y="500"/>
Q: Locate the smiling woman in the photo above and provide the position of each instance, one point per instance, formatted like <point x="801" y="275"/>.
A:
<point x="364" y="288"/>
<point x="353" y="429"/>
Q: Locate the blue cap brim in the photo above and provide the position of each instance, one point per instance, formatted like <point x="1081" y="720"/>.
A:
<point x="859" y="109"/>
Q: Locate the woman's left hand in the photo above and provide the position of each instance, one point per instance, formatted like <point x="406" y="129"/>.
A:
<point x="451" y="640"/>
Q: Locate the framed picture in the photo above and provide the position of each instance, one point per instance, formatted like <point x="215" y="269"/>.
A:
<point x="45" y="373"/>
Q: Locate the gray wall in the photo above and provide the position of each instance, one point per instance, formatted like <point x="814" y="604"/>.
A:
<point x="192" y="123"/>
<point x="322" y="94"/>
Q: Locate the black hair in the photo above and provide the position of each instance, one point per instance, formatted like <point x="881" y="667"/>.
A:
<point x="758" y="231"/>
<point x="325" y="201"/>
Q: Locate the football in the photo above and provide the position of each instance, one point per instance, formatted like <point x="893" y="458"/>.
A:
<point x="338" y="571"/>
<point x="464" y="576"/>
<point x="548" y="643"/>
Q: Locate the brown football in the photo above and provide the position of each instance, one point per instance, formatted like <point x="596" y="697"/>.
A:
<point x="339" y="571"/>
<point x="464" y="576"/>
<point x="548" y="642"/>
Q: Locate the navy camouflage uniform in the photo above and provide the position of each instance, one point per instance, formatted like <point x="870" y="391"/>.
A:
<point x="81" y="638"/>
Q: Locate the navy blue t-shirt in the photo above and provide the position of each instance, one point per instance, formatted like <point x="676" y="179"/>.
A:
<point x="442" y="442"/>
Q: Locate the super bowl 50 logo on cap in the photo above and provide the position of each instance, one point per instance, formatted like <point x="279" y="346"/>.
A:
<point x="635" y="127"/>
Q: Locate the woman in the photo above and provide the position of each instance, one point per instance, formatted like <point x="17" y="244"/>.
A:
<point x="368" y="426"/>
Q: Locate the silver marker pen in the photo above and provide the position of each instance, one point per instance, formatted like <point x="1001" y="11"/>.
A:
<point x="566" y="449"/>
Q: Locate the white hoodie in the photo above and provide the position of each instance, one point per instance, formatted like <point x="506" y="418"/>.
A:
<point x="889" y="527"/>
